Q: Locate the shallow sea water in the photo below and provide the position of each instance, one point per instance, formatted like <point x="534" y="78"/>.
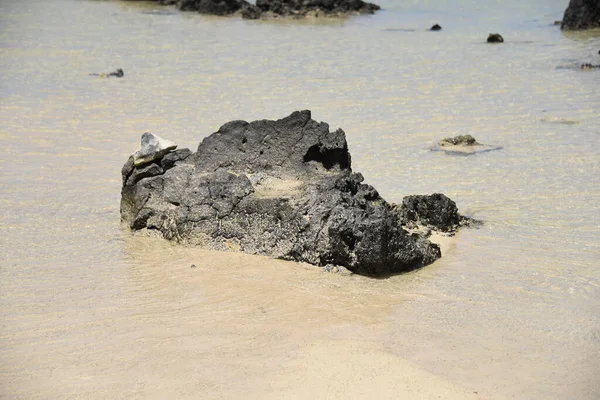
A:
<point x="512" y="310"/>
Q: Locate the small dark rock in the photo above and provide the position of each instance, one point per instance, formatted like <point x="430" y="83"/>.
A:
<point x="460" y="140"/>
<point x="118" y="73"/>
<point x="436" y="27"/>
<point x="495" y="38"/>
<point x="590" y="66"/>
<point x="463" y="145"/>
<point x="435" y="211"/>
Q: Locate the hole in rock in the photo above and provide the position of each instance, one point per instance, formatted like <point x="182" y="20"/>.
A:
<point x="328" y="158"/>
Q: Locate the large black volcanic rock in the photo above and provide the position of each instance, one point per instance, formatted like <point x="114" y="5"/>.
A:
<point x="581" y="14"/>
<point x="280" y="188"/>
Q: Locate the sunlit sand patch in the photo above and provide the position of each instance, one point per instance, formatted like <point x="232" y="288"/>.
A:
<point x="359" y="370"/>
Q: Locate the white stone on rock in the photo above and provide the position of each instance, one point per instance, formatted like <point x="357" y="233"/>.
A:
<point x="152" y="147"/>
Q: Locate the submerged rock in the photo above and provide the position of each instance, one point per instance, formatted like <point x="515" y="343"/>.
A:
<point x="495" y="38"/>
<point x="282" y="188"/>
<point x="460" y="140"/>
<point x="590" y="66"/>
<point x="118" y="73"/>
<point x="581" y="14"/>
<point x="436" y="212"/>
<point x="152" y="148"/>
<point x="463" y="145"/>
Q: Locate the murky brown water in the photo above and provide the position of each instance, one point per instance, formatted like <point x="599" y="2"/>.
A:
<point x="512" y="310"/>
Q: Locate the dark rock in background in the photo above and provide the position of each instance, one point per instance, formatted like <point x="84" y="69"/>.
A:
<point x="581" y="14"/>
<point x="301" y="8"/>
<point x="495" y="38"/>
<point x="118" y="73"/>
<point x="275" y="8"/>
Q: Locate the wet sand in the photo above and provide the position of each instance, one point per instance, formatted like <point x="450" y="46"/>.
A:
<point x="232" y="326"/>
<point x="88" y="310"/>
<point x="343" y="369"/>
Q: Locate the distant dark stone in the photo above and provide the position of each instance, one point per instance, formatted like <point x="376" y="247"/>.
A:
<point x="581" y="14"/>
<point x="557" y="22"/>
<point x="495" y="38"/>
<point x="436" y="27"/>
<point x="590" y="66"/>
<point x="118" y="73"/>
<point x="284" y="189"/>
<point x="460" y="140"/>
<point x="463" y="145"/>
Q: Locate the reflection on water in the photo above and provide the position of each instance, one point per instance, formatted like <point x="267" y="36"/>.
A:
<point x="510" y="311"/>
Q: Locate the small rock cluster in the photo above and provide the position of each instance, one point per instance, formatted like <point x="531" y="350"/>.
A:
<point x="118" y="73"/>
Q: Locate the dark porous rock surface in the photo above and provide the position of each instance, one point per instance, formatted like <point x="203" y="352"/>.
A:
<point x="315" y="8"/>
<point x="581" y="14"/>
<point x="213" y="7"/>
<point x="436" y="212"/>
<point x="495" y="38"/>
<point x="265" y="9"/>
<point x="284" y="189"/>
